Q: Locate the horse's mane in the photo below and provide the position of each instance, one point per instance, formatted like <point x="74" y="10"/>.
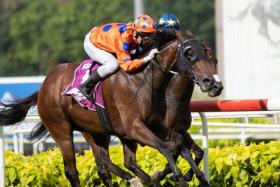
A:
<point x="178" y="36"/>
<point x="166" y="44"/>
<point x="167" y="36"/>
<point x="161" y="42"/>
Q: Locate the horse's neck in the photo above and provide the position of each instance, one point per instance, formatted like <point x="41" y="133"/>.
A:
<point x="180" y="88"/>
<point x="158" y="80"/>
<point x="151" y="78"/>
<point x="142" y="91"/>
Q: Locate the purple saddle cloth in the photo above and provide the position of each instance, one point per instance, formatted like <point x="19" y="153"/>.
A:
<point x="82" y="72"/>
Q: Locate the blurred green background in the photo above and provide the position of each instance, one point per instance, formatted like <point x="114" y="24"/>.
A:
<point x="35" y="35"/>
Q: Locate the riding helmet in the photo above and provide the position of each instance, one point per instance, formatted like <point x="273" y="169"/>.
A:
<point x="168" y="21"/>
<point x="144" y="23"/>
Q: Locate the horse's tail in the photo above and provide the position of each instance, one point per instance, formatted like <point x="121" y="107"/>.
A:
<point x="16" y="111"/>
<point x="39" y="132"/>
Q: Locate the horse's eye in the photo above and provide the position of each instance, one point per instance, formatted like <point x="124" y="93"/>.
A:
<point x="189" y="53"/>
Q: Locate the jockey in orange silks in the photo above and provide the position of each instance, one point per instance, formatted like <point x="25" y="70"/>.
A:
<point x="102" y="43"/>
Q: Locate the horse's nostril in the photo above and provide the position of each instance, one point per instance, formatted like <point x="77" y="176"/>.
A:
<point x="207" y="81"/>
<point x="216" y="87"/>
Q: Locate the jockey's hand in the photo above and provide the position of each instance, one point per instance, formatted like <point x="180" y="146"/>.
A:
<point x="151" y="55"/>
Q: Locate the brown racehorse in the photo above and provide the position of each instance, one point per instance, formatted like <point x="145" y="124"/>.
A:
<point x="132" y="104"/>
<point x="178" y="118"/>
<point x="178" y="115"/>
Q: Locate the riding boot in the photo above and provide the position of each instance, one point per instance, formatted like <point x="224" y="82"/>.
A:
<point x="87" y="86"/>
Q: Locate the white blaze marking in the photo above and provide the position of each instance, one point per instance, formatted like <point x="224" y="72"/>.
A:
<point x="217" y="78"/>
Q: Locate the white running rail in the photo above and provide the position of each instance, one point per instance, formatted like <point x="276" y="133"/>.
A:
<point x="241" y="131"/>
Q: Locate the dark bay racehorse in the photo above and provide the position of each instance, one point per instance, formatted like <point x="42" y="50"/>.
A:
<point x="130" y="113"/>
<point x="178" y="115"/>
<point x="177" y="118"/>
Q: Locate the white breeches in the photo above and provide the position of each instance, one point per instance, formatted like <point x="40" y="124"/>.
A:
<point x="110" y="63"/>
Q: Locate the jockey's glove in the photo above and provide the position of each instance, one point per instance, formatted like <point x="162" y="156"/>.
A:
<point x="151" y="55"/>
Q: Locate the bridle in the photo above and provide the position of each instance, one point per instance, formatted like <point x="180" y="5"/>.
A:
<point x="183" y="64"/>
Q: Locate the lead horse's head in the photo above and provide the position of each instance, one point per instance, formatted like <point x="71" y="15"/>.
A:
<point x="188" y="57"/>
<point x="197" y="62"/>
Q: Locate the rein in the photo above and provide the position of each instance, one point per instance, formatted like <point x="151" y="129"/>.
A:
<point x="152" y="62"/>
<point x="142" y="83"/>
<point x="182" y="48"/>
<point x="190" y="77"/>
<point x="194" y="79"/>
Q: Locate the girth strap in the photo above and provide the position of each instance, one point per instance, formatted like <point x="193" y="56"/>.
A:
<point x="104" y="119"/>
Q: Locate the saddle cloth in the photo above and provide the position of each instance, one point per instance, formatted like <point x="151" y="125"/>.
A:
<point x="81" y="74"/>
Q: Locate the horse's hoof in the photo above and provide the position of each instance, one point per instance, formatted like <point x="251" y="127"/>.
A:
<point x="188" y="177"/>
<point x="156" y="177"/>
<point x="135" y="182"/>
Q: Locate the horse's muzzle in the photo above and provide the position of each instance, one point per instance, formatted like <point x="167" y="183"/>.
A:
<point x="205" y="83"/>
<point x="210" y="85"/>
<point x="216" y="89"/>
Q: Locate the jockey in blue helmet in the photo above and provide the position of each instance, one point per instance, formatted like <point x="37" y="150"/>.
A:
<point x="167" y="21"/>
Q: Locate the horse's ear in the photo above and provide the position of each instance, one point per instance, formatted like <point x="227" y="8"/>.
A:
<point x="205" y="45"/>
<point x="189" y="34"/>
<point x="178" y="34"/>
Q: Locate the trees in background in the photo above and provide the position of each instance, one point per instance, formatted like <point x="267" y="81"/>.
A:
<point x="194" y="15"/>
<point x="36" y="35"/>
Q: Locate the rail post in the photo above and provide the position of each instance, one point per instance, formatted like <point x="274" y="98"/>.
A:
<point x="2" y="161"/>
<point x="21" y="143"/>
<point x="242" y="136"/>
<point x="15" y="140"/>
<point x="205" y="144"/>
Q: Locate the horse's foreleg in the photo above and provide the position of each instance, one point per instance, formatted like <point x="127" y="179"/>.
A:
<point x="130" y="148"/>
<point x="198" y="155"/>
<point x="173" y="137"/>
<point x="160" y="175"/>
<point x="64" y="138"/>
<point x="100" y="148"/>
<point x="101" y="154"/>
<point x="186" y="154"/>
<point x="143" y="135"/>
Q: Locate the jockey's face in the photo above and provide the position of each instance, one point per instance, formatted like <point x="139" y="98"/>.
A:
<point x="142" y="38"/>
<point x="137" y="38"/>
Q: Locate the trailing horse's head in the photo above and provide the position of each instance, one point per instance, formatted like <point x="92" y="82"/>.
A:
<point x="196" y="60"/>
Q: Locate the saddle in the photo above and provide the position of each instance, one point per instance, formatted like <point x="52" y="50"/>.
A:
<point x="81" y="74"/>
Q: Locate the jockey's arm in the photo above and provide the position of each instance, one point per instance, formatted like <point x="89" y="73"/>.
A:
<point x="127" y="64"/>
